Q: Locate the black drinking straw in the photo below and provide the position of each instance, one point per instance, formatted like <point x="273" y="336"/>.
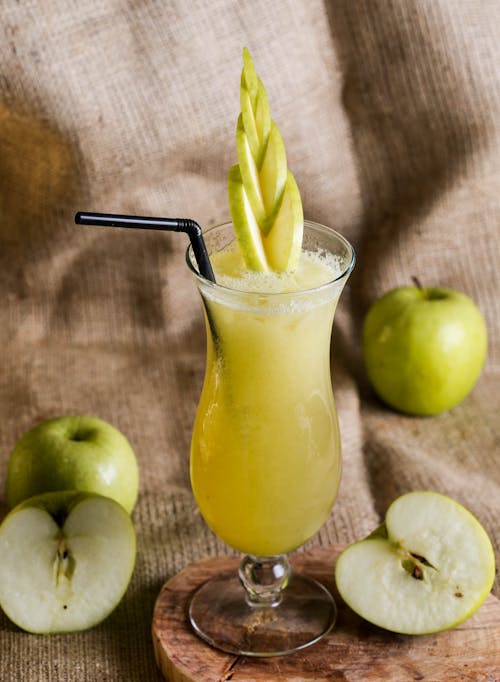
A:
<point x="190" y="227"/>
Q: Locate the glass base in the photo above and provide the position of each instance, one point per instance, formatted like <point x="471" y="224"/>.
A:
<point x="221" y="615"/>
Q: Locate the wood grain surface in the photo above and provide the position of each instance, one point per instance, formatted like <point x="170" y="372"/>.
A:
<point x="354" y="651"/>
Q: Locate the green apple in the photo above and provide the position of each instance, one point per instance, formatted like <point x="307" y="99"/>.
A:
<point x="66" y="561"/>
<point x="73" y="453"/>
<point x="264" y="200"/>
<point x="424" y="348"/>
<point x="426" y="569"/>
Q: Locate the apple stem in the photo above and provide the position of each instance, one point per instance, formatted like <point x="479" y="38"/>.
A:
<point x="417" y="282"/>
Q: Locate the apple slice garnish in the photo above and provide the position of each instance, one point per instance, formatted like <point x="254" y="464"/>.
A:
<point x="265" y="203"/>
<point x="428" y="568"/>
<point x="283" y="242"/>
<point x="249" y="174"/>
<point x="245" y="225"/>
<point x="66" y="561"/>
<point x="272" y="175"/>
<point x="254" y="107"/>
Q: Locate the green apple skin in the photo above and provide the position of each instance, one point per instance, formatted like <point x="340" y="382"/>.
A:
<point x="67" y="558"/>
<point x="426" y="569"/>
<point x="73" y="453"/>
<point x="424" y="349"/>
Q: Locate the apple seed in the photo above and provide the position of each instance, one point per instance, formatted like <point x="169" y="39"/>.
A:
<point x="413" y="569"/>
<point x="423" y="560"/>
<point x="64" y="564"/>
<point x="414" y="565"/>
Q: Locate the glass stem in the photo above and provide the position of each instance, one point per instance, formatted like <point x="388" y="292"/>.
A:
<point x="264" y="579"/>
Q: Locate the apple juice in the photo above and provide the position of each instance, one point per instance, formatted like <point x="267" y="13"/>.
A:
<point x="265" y="456"/>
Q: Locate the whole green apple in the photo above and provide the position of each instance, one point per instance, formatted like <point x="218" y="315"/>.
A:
<point x="424" y="348"/>
<point x="67" y="559"/>
<point x="73" y="453"/>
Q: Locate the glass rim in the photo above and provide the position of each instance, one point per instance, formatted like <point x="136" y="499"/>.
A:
<point x="346" y="271"/>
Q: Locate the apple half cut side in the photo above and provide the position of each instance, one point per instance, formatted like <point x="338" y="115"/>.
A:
<point x="66" y="561"/>
<point x="428" y="568"/>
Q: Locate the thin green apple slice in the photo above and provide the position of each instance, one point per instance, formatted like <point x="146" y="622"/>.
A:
<point x="66" y="561"/>
<point x="262" y="115"/>
<point x="273" y="172"/>
<point x="429" y="568"/>
<point x="249" y="173"/>
<point x="256" y="119"/>
<point x="249" y="88"/>
<point x="283" y="243"/>
<point x="249" y="78"/>
<point x="249" y="124"/>
<point x="246" y="228"/>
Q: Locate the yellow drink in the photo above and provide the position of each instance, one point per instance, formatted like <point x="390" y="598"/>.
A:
<point x="265" y="457"/>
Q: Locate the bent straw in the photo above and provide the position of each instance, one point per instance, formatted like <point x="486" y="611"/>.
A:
<point x="190" y="227"/>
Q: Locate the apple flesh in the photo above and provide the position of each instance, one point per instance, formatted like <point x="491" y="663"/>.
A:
<point x="66" y="561"/>
<point x="427" y="568"/>
<point x="73" y="453"/>
<point x="424" y="349"/>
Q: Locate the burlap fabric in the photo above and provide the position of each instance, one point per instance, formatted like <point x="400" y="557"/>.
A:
<point x="389" y="110"/>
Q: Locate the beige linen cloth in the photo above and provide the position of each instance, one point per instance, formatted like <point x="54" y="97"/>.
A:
<point x="390" y="113"/>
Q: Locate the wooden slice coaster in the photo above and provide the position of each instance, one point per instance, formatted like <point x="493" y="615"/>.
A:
<point x="354" y="650"/>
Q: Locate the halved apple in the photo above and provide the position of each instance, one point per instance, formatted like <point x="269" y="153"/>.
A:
<point x="428" y="568"/>
<point x="66" y="561"/>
